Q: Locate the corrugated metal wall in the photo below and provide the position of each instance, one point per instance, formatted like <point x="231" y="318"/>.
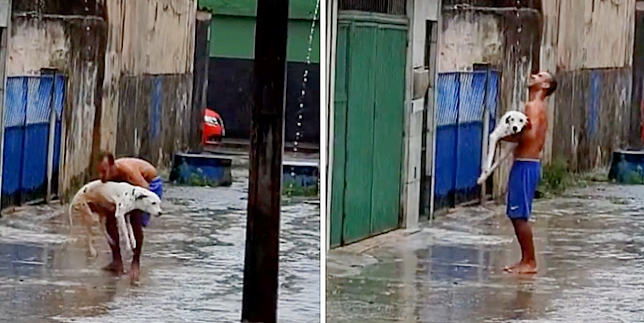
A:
<point x="29" y="103"/>
<point x="459" y="133"/>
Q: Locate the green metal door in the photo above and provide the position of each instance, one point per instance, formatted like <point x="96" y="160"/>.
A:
<point x="369" y="124"/>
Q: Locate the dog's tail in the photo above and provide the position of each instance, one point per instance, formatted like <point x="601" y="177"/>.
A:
<point x="77" y="207"/>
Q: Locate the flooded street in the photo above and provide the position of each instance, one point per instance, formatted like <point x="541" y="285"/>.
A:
<point x="192" y="264"/>
<point x="590" y="246"/>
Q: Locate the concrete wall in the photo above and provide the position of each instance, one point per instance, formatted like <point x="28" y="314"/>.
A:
<point x="148" y="40"/>
<point x="52" y="36"/>
<point x="421" y="11"/>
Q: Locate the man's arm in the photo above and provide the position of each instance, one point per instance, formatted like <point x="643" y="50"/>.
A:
<point x="519" y="136"/>
<point x="136" y="178"/>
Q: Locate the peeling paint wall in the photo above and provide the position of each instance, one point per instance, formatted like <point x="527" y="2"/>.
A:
<point x="590" y="112"/>
<point x="470" y="37"/>
<point x="589" y="44"/>
<point x="115" y="55"/>
<point x="594" y="34"/>
<point x="147" y="39"/>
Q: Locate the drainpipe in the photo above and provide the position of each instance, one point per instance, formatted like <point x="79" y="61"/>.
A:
<point x="439" y="26"/>
<point x="331" y="41"/>
<point x="52" y="132"/>
<point x="5" y="24"/>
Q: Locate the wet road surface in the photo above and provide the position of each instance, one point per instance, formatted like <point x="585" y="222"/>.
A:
<point x="590" y="246"/>
<point x="192" y="264"/>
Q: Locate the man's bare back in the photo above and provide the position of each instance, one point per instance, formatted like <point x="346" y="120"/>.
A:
<point x="132" y="170"/>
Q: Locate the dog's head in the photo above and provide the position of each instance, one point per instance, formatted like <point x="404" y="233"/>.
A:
<point x="515" y="121"/>
<point x="147" y="201"/>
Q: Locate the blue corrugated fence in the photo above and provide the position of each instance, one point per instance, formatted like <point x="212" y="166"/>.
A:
<point x="28" y="107"/>
<point x="459" y="133"/>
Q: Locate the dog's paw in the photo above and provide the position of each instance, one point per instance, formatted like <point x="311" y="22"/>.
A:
<point x="128" y="245"/>
<point x="482" y="178"/>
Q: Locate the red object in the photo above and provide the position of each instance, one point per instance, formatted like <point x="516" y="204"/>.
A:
<point x="213" y="128"/>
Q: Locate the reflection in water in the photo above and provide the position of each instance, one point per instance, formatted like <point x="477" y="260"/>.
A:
<point x="589" y="253"/>
<point x="192" y="265"/>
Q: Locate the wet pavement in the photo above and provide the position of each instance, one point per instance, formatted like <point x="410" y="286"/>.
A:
<point x="192" y="264"/>
<point x="590" y="245"/>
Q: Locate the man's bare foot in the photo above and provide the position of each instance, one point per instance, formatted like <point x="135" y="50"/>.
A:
<point x="522" y="268"/>
<point x="115" y="267"/>
<point x="135" y="271"/>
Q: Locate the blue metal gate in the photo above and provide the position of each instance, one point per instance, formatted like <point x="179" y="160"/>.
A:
<point x="459" y="133"/>
<point x="29" y="102"/>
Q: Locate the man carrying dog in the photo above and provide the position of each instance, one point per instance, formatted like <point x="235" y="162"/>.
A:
<point x="136" y="172"/>
<point x="526" y="168"/>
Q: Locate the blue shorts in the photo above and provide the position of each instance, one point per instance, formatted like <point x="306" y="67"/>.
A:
<point x="522" y="185"/>
<point x="156" y="186"/>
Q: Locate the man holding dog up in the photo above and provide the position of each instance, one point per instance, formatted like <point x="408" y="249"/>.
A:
<point x="136" y="172"/>
<point x="526" y="168"/>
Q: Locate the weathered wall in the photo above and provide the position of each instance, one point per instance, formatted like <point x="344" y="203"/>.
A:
<point x="48" y="36"/>
<point x="154" y="116"/>
<point x="507" y="39"/>
<point x="470" y="37"/>
<point x="129" y="75"/>
<point x="591" y="111"/>
<point x="589" y="44"/>
<point x="594" y="34"/>
<point x="147" y="39"/>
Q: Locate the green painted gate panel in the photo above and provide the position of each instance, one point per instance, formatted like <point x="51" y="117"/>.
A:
<point x="339" y="138"/>
<point x="360" y="127"/>
<point x="389" y="122"/>
<point x="368" y="126"/>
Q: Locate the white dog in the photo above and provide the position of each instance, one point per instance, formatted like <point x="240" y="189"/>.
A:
<point x="120" y="196"/>
<point x="510" y="124"/>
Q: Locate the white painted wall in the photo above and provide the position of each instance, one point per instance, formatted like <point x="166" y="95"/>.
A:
<point x="34" y="45"/>
<point x="470" y="38"/>
<point x="419" y="12"/>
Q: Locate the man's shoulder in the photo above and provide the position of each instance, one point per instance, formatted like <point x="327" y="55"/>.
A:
<point x="535" y="107"/>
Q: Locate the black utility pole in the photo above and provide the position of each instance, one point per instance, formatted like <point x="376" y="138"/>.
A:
<point x="266" y="149"/>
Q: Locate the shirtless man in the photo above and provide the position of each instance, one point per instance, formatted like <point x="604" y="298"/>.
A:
<point x="526" y="168"/>
<point x="136" y="172"/>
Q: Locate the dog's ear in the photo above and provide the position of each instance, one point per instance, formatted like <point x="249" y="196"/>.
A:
<point x="141" y="196"/>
